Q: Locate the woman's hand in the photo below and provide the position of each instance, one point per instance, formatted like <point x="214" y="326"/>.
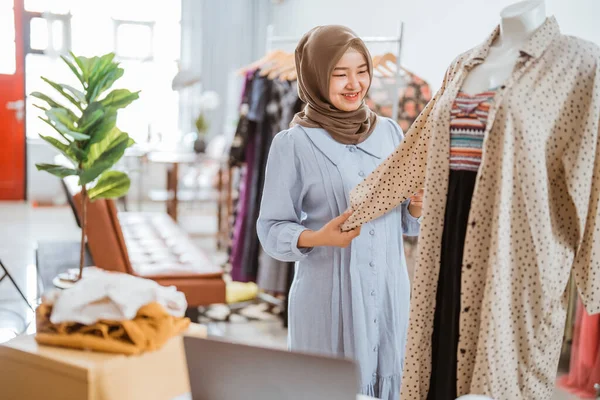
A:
<point x="329" y="235"/>
<point x="415" y="207"/>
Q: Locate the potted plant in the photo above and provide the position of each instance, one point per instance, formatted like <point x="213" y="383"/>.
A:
<point x="84" y="120"/>
<point x="209" y="101"/>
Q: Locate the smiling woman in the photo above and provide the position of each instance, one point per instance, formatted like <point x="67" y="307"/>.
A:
<point x="350" y="294"/>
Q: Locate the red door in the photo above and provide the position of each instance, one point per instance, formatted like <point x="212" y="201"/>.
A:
<point x="12" y="101"/>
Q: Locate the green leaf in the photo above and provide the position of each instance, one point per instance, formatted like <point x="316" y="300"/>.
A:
<point x="110" y="185"/>
<point x="78" y="94"/>
<point x="47" y="99"/>
<point x="59" y="89"/>
<point x="120" y="98"/>
<point x="64" y="124"/>
<point x="61" y="115"/>
<point x="46" y="120"/>
<point x="54" y="126"/>
<point x="73" y="68"/>
<point x="78" y="153"/>
<point x="84" y="64"/>
<point x="56" y="170"/>
<point x="99" y="132"/>
<point x="95" y="150"/>
<point x="101" y="67"/>
<point x="106" y="160"/>
<point x="96" y="79"/>
<point x="65" y="149"/>
<point x="90" y="116"/>
<point x="52" y="104"/>
<point x="106" y="82"/>
<point x="75" y="135"/>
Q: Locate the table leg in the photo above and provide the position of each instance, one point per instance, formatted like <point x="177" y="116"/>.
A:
<point x="172" y="183"/>
<point x="220" y="228"/>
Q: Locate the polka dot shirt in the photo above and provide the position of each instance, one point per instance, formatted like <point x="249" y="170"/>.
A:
<point x="534" y="219"/>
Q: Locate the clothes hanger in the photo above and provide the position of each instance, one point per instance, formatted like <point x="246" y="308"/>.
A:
<point x="283" y="70"/>
<point x="382" y="65"/>
<point x="257" y="64"/>
<point x="291" y="75"/>
<point x="376" y="59"/>
<point x="281" y="62"/>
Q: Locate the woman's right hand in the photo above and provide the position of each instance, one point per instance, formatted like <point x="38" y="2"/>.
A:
<point x="329" y="235"/>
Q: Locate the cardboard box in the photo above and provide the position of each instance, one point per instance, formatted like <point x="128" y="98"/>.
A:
<point x="29" y="371"/>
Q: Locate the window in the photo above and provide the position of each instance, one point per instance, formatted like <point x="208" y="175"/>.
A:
<point x="7" y="38"/>
<point x="48" y="33"/>
<point x="144" y="35"/>
<point x="133" y="40"/>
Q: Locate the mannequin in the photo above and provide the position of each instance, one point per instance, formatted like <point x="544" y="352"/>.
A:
<point x="518" y="22"/>
<point x="508" y="151"/>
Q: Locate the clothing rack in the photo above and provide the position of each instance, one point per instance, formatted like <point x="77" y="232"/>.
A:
<point x="272" y="39"/>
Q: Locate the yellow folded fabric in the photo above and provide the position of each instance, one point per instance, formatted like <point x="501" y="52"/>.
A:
<point x="149" y="330"/>
<point x="237" y="292"/>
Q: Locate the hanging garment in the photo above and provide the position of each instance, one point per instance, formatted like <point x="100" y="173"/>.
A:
<point x="534" y="217"/>
<point x="584" y="366"/>
<point x="346" y="302"/>
<point x="413" y="95"/>
<point x="468" y="121"/>
<point x="268" y="107"/>
<point x="256" y="115"/>
<point x="243" y="154"/>
<point x="237" y="151"/>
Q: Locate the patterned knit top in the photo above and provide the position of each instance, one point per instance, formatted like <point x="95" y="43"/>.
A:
<point x="468" y="121"/>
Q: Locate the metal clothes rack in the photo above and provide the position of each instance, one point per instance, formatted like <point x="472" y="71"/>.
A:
<point x="272" y="40"/>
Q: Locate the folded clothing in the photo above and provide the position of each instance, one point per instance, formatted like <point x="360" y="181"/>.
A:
<point x="105" y="295"/>
<point x="149" y="330"/>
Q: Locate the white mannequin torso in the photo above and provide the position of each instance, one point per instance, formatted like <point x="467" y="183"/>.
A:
<point x="518" y="22"/>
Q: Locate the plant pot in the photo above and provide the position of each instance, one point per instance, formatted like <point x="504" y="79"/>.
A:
<point x="200" y="145"/>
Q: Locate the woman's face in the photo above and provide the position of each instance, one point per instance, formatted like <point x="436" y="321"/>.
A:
<point x="349" y="81"/>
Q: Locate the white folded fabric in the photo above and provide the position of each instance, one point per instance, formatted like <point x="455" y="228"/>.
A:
<point x="111" y="295"/>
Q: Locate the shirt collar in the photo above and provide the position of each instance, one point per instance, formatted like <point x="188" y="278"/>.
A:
<point x="534" y="47"/>
<point x="335" y="151"/>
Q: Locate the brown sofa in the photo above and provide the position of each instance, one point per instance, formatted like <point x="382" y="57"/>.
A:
<point x="153" y="246"/>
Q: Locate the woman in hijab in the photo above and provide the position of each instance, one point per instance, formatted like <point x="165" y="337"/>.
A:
<point x="350" y="295"/>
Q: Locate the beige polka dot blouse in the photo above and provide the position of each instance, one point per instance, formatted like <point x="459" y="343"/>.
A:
<point x="535" y="217"/>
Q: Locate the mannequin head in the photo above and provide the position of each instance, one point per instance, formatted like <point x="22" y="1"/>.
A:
<point x="520" y="20"/>
<point x="349" y="81"/>
<point x="524" y="7"/>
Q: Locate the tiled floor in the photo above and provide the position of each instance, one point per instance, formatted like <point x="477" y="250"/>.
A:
<point x="22" y="226"/>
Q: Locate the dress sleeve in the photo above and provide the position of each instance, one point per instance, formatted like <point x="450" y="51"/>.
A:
<point x="279" y="223"/>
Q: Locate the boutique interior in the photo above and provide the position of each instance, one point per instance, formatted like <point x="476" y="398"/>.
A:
<point x="152" y="215"/>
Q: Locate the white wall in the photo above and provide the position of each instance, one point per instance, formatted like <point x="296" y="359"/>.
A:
<point x="436" y="31"/>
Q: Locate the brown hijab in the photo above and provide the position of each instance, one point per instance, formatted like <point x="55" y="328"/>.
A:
<point x="317" y="54"/>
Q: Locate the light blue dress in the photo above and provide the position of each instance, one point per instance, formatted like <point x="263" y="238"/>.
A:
<point x="351" y="302"/>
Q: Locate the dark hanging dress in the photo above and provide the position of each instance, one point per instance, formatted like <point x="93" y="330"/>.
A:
<point x="467" y="127"/>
